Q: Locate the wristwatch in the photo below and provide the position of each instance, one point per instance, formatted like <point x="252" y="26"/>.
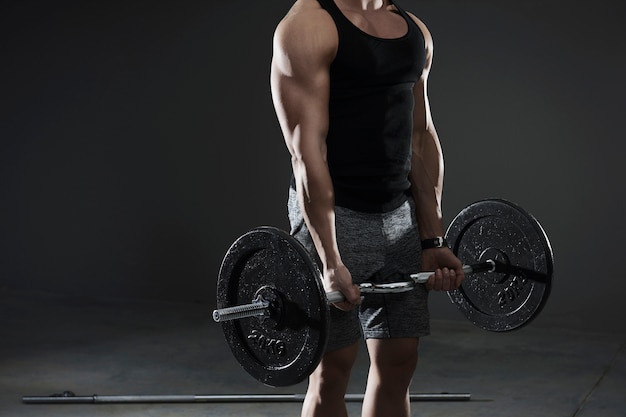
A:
<point x="436" y="242"/>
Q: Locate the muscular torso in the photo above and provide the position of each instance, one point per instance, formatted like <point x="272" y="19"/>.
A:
<point x="377" y="57"/>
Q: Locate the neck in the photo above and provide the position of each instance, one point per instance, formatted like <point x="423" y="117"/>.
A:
<point x="364" y="4"/>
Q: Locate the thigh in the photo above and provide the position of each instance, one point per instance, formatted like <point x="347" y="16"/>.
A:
<point x="393" y="353"/>
<point x="399" y="315"/>
<point x="396" y="315"/>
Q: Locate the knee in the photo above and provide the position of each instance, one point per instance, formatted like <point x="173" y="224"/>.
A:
<point x="333" y="373"/>
<point x="395" y="366"/>
<point x="328" y="375"/>
<point x="400" y="368"/>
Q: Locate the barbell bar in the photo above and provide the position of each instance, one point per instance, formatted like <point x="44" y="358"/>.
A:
<point x="68" y="397"/>
<point x="261" y="307"/>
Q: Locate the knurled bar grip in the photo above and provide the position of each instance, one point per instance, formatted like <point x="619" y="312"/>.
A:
<point x="421" y="278"/>
<point x="259" y="307"/>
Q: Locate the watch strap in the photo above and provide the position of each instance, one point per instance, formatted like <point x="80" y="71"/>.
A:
<point x="436" y="242"/>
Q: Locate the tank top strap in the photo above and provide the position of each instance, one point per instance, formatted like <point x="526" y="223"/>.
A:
<point x="331" y="7"/>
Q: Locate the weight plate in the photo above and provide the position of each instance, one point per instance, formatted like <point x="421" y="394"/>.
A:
<point x="513" y="295"/>
<point x="285" y="348"/>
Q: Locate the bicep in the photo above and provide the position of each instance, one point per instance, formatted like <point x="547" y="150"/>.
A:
<point x="422" y="118"/>
<point x="301" y="105"/>
<point x="427" y="153"/>
<point x="300" y="83"/>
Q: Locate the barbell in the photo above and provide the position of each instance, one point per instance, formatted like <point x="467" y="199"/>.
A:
<point x="262" y="307"/>
<point x="275" y="313"/>
<point x="68" y="397"/>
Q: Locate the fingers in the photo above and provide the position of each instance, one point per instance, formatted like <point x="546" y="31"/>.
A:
<point x="445" y="279"/>
<point x="459" y="279"/>
<point x="339" y="279"/>
<point x="352" y="298"/>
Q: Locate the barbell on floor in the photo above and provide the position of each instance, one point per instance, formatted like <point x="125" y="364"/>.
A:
<point x="274" y="311"/>
<point x="68" y="397"/>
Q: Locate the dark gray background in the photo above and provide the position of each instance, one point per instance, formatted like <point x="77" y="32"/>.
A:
<point x="138" y="139"/>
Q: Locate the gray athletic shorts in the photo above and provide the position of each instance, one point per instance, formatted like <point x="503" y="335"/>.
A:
<point x="376" y="247"/>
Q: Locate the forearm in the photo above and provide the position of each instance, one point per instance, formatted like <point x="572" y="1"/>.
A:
<point x="316" y="198"/>
<point x="427" y="171"/>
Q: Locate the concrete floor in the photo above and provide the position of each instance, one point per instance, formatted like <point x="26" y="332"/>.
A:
<point x="51" y="343"/>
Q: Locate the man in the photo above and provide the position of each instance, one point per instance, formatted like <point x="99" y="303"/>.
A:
<point x="348" y="82"/>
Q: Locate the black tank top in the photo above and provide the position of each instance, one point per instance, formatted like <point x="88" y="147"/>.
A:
<point x="371" y="114"/>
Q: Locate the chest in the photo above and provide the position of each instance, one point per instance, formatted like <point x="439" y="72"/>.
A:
<point x="385" y="24"/>
<point x="365" y="59"/>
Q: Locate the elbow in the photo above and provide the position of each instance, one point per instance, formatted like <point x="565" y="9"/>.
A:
<point x="298" y="165"/>
<point x="312" y="180"/>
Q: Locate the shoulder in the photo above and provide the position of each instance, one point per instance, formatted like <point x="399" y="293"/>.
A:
<point x="306" y="29"/>
<point x="420" y="24"/>
<point x="428" y="39"/>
